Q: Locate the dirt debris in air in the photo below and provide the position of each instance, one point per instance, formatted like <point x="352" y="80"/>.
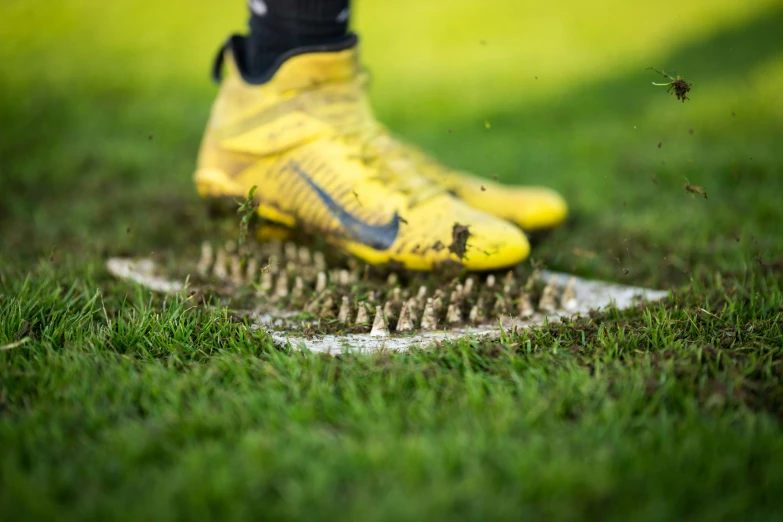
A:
<point x="459" y="240"/>
<point x="681" y="88"/>
<point x="677" y="85"/>
<point x="694" y="189"/>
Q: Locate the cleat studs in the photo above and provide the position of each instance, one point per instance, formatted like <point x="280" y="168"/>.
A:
<point x="371" y="297"/>
<point x="290" y="251"/>
<point x="361" y="315"/>
<point x="501" y="308"/>
<point x="429" y="319"/>
<point x="379" y="326"/>
<point x="251" y="270"/>
<point x="389" y="310"/>
<point x="327" y="309"/>
<point x="437" y="303"/>
<point x="230" y="246"/>
<point x="274" y="248"/>
<point x="274" y="264"/>
<point x="405" y="323"/>
<point x="456" y="296"/>
<point x="281" y="287"/>
<point x="392" y="280"/>
<point x="319" y="261"/>
<point x="305" y="256"/>
<point x="298" y="292"/>
<point x="345" y="311"/>
<point x="468" y="286"/>
<point x="525" y="306"/>
<point x="236" y="270"/>
<point x="219" y="270"/>
<point x="421" y="297"/>
<point x="568" y="299"/>
<point x="490" y="281"/>
<point x="320" y="282"/>
<point x="475" y="316"/>
<point x="548" y="302"/>
<point x="205" y="261"/>
<point x="396" y="296"/>
<point x="453" y="315"/>
<point x="313" y="306"/>
<point x="413" y="310"/>
<point x="266" y="283"/>
<point x="344" y="277"/>
<point x="509" y="284"/>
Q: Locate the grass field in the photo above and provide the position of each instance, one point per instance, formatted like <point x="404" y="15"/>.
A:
<point x="116" y="403"/>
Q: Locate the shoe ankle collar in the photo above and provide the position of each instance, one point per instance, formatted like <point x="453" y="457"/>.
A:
<point x="300" y="68"/>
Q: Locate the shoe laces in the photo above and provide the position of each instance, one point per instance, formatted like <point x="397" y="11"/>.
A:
<point x="393" y="166"/>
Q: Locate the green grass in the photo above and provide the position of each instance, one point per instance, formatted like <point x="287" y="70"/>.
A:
<point x="119" y="404"/>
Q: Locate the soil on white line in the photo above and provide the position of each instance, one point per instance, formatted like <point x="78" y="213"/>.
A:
<point x="589" y="296"/>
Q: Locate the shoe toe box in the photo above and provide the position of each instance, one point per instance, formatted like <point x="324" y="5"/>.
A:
<point x="449" y="230"/>
<point x="541" y="208"/>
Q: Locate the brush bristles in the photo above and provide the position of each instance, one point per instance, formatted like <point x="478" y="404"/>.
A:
<point x="306" y="283"/>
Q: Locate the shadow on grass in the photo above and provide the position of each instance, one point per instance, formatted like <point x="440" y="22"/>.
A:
<point x="724" y="57"/>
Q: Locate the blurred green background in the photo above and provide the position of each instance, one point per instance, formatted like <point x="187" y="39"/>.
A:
<point x="103" y="105"/>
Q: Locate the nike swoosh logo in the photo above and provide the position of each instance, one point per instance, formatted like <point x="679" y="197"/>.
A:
<point x="379" y="237"/>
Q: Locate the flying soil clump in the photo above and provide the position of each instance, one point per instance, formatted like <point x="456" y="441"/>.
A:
<point x="677" y="85"/>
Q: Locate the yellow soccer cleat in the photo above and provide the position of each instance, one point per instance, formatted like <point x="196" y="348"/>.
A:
<point x="306" y="138"/>
<point x="532" y="208"/>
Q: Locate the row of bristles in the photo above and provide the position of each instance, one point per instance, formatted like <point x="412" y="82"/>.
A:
<point x="408" y="310"/>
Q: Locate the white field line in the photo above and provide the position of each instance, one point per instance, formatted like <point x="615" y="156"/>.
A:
<point x="589" y="296"/>
<point x="143" y="272"/>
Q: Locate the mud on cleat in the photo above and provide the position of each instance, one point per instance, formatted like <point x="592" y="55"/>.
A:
<point x="305" y="136"/>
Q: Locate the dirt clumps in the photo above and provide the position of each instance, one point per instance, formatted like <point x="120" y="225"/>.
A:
<point x="459" y="240"/>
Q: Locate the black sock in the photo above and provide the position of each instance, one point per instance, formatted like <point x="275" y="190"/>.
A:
<point x="277" y="26"/>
